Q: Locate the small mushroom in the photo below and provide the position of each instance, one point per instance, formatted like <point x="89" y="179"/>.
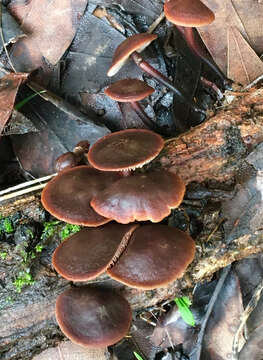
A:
<point x="125" y="150"/>
<point x="93" y="317"/>
<point x="66" y="161"/>
<point x="89" y="252"/>
<point x="187" y="14"/>
<point x="141" y="197"/>
<point x="131" y="48"/>
<point x="132" y="91"/>
<point x="71" y="159"/>
<point x="68" y="195"/>
<point x="156" y="255"/>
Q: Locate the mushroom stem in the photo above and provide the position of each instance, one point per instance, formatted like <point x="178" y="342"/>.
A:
<point x="146" y="67"/>
<point x="189" y="36"/>
<point x="142" y="115"/>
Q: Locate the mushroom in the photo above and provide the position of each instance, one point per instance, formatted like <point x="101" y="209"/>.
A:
<point x="147" y="256"/>
<point x="125" y="150"/>
<point x="71" y="159"/>
<point x="93" y="317"/>
<point x="156" y="255"/>
<point x="141" y="197"/>
<point x="68" y="195"/>
<point x="132" y="91"/>
<point x="89" y="252"/>
<point x="131" y="47"/>
<point x="187" y="14"/>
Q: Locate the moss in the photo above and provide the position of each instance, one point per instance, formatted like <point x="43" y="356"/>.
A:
<point x="3" y="255"/>
<point x="49" y="229"/>
<point x="68" y="230"/>
<point x="6" y="226"/>
<point x="24" y="278"/>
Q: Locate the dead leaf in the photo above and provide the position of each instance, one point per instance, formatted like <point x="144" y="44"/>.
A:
<point x="59" y="132"/>
<point x="50" y="28"/>
<point x="18" y="124"/>
<point x="253" y="349"/>
<point x="67" y="350"/>
<point x="11" y="30"/>
<point x="9" y="85"/>
<point x="90" y="56"/>
<point x="244" y="65"/>
<point x="220" y="328"/>
<point x="244" y="212"/>
<point x="245" y="15"/>
<point x="151" y="9"/>
<point x="223" y="322"/>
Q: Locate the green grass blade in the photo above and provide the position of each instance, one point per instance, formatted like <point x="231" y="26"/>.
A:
<point x="27" y="99"/>
<point x="138" y="357"/>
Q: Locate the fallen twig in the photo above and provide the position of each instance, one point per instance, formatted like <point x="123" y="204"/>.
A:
<point x="248" y="310"/>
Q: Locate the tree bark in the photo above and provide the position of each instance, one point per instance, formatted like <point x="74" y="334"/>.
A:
<point x="213" y="151"/>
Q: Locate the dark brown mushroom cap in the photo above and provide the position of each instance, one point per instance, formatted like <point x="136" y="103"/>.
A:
<point x="189" y="13"/>
<point x="129" y="90"/>
<point x="68" y="195"/>
<point x="137" y="42"/>
<point x="93" y="317"/>
<point x="88" y="253"/>
<point x="149" y="196"/>
<point x="126" y="149"/>
<point x="66" y="161"/>
<point x="156" y="255"/>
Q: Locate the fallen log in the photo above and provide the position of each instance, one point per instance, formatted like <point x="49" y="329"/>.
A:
<point x="213" y="152"/>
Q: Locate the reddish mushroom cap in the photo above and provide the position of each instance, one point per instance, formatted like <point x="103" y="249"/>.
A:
<point x="137" y="42"/>
<point x="88" y="253"/>
<point x="126" y="149"/>
<point x="156" y="255"/>
<point x="190" y="13"/>
<point x="149" y="196"/>
<point x="129" y="90"/>
<point x="93" y="317"/>
<point x="68" y="195"/>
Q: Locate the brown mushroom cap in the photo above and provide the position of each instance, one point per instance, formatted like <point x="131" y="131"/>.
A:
<point x="156" y="255"/>
<point x="189" y="13"/>
<point x="137" y="42"/>
<point x="68" y="195"/>
<point x="93" y="317"/>
<point x="149" y="196"/>
<point x="126" y="149"/>
<point x="129" y="90"/>
<point x="88" y="253"/>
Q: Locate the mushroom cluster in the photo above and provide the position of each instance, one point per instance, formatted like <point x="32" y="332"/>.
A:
<point x="144" y="256"/>
<point x="185" y="15"/>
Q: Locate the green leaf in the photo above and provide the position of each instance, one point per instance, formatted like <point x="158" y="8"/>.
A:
<point x="183" y="304"/>
<point x="137" y="356"/>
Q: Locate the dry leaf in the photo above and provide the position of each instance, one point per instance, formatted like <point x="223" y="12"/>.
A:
<point x="50" y="26"/>
<point x="253" y="349"/>
<point x="11" y="30"/>
<point x="245" y="15"/>
<point x="66" y="350"/>
<point x="244" y="65"/>
<point x="9" y="85"/>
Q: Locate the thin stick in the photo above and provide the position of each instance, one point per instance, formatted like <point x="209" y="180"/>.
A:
<point x="248" y="310"/>
<point x="254" y="82"/>
<point x="196" y="353"/>
<point x="26" y="184"/>
<point x="156" y="22"/>
<point x="22" y="192"/>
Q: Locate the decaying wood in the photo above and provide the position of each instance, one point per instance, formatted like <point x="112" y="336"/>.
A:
<point x="215" y="150"/>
